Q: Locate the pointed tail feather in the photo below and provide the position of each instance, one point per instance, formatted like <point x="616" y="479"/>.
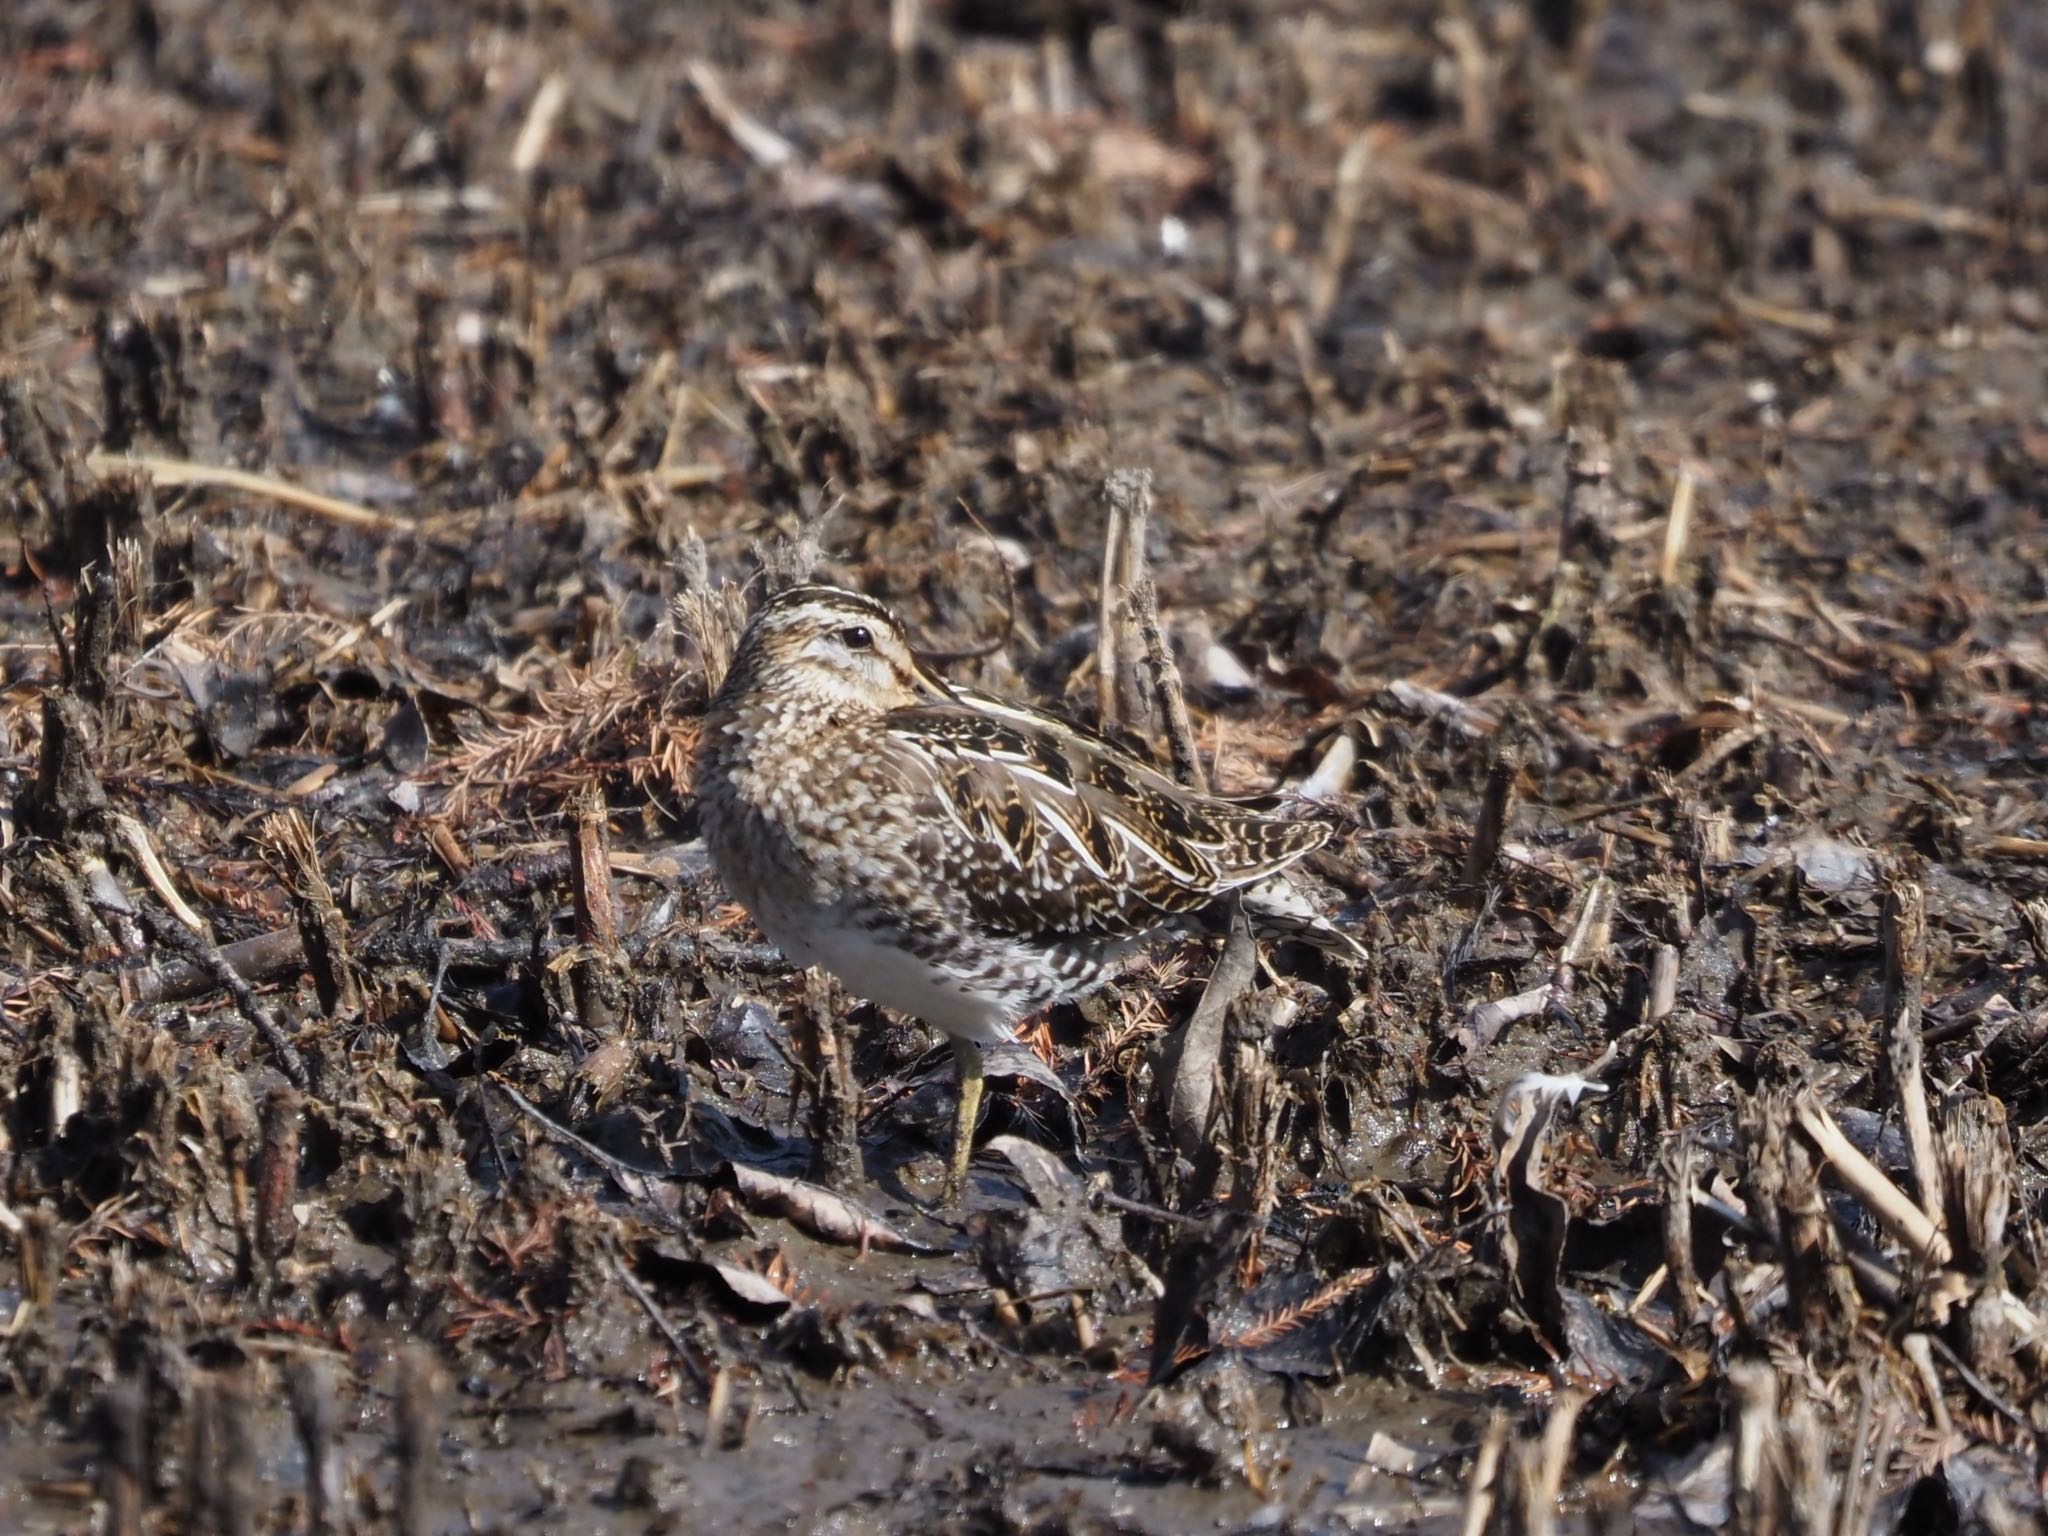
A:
<point x="1279" y="911"/>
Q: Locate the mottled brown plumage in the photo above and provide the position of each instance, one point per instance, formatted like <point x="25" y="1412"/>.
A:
<point x="949" y="854"/>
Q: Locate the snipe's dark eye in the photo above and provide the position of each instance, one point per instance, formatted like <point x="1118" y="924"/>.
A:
<point x="855" y="637"/>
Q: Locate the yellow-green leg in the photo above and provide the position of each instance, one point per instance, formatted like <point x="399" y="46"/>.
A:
<point x="967" y="1055"/>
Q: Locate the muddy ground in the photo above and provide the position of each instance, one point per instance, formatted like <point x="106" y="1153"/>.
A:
<point x="1598" y="454"/>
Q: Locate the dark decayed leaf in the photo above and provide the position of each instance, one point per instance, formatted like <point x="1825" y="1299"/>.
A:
<point x="1056" y="1243"/>
<point x="745" y="1292"/>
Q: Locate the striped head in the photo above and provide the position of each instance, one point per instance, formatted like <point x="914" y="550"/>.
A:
<point x="830" y="651"/>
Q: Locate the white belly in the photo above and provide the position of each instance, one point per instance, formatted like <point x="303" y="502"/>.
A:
<point x="882" y="973"/>
<point x="774" y="889"/>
